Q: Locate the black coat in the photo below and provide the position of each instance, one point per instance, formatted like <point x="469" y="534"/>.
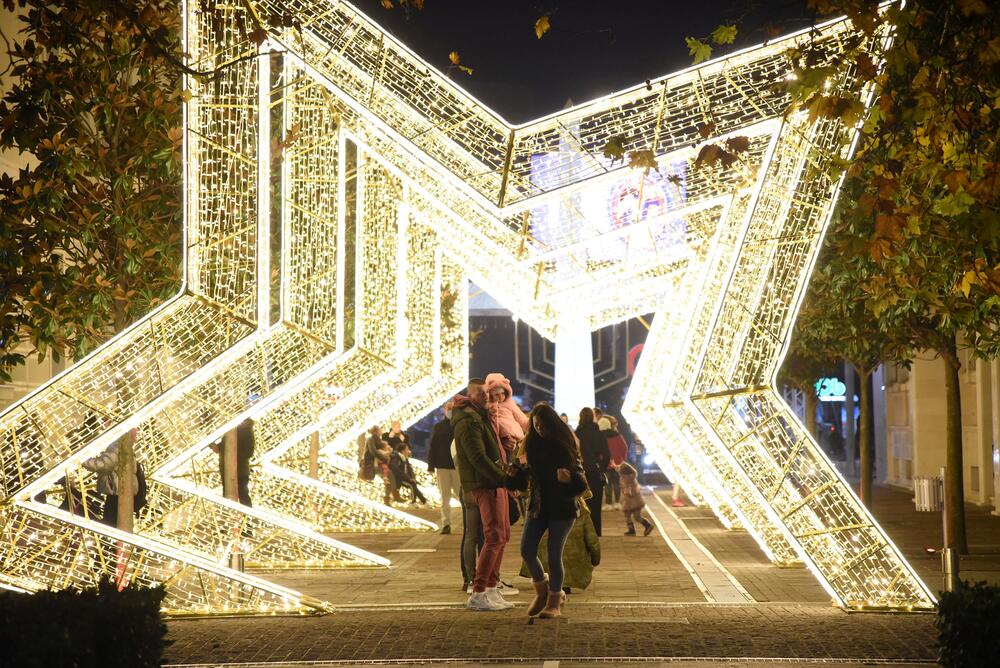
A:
<point x="550" y="499"/>
<point x="439" y="451"/>
<point x="593" y="448"/>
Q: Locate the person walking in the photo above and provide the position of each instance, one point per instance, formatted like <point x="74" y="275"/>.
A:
<point x="632" y="502"/>
<point x="480" y="461"/>
<point x="596" y="457"/>
<point x="555" y="477"/>
<point x="618" y="449"/>
<point x="440" y="461"/>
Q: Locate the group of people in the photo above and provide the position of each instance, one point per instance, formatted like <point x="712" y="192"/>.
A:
<point x="501" y="463"/>
<point x="387" y="454"/>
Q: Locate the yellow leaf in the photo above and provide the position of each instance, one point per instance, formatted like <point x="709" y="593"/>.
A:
<point x="453" y="57"/>
<point x="542" y="26"/>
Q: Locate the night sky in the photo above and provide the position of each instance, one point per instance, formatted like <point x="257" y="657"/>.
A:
<point x="592" y="49"/>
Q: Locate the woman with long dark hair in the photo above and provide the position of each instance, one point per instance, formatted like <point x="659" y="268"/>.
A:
<point x="556" y="478"/>
<point x="596" y="456"/>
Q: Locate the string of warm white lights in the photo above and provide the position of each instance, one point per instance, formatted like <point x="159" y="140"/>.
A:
<point x="390" y="186"/>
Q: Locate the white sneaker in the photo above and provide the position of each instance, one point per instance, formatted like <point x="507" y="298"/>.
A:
<point x="480" y="602"/>
<point x="507" y="590"/>
<point x="469" y="589"/>
<point x="493" y="595"/>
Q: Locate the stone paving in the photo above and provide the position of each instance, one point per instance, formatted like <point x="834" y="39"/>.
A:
<point x="643" y="606"/>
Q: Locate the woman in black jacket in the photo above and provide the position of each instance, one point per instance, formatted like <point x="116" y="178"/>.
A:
<point x="556" y="478"/>
<point x="596" y="457"/>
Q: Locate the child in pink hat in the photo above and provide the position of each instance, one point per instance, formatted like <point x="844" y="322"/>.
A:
<point x="508" y="419"/>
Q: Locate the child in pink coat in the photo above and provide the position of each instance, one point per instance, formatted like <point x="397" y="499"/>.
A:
<point x="509" y="421"/>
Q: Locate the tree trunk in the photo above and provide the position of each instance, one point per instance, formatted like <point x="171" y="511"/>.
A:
<point x="230" y="479"/>
<point x="866" y="442"/>
<point x="812" y="403"/>
<point x="126" y="471"/>
<point x="126" y="449"/>
<point x="954" y="478"/>
<point x="314" y="455"/>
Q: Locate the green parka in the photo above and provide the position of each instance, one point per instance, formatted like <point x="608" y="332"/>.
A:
<point x="477" y="452"/>
<point x="581" y="554"/>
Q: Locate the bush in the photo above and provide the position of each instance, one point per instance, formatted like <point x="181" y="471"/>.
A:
<point x="100" y="627"/>
<point x="968" y="625"/>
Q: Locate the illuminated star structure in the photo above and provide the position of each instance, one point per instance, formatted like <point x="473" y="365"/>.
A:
<point x="333" y="158"/>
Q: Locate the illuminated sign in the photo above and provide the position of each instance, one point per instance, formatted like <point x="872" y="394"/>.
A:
<point x="831" y="389"/>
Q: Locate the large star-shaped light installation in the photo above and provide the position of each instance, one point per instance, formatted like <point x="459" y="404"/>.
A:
<point x="391" y="186"/>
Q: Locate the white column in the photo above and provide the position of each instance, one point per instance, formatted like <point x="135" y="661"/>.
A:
<point x="984" y="434"/>
<point x="574" y="384"/>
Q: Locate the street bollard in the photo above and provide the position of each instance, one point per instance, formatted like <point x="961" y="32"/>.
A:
<point x="949" y="568"/>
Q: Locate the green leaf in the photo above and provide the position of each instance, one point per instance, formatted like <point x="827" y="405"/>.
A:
<point x="724" y="34"/>
<point x="698" y="49"/>
<point x="954" y="204"/>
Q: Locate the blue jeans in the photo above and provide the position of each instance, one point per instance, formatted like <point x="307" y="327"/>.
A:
<point x="534" y="529"/>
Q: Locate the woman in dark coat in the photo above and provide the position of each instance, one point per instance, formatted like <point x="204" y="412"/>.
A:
<point x="596" y="456"/>
<point x="556" y="478"/>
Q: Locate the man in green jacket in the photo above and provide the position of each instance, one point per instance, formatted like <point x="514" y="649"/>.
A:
<point x="480" y="462"/>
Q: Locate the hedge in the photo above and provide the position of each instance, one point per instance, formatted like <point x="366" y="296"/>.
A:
<point x="968" y="625"/>
<point x="100" y="627"/>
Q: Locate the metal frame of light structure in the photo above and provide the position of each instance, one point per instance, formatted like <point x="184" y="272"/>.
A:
<point x="436" y="166"/>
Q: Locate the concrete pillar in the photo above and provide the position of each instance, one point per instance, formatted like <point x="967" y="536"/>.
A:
<point x="574" y="382"/>
<point x="879" y="426"/>
<point x="983" y="444"/>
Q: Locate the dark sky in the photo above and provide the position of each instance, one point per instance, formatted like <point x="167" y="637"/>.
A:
<point x="593" y="48"/>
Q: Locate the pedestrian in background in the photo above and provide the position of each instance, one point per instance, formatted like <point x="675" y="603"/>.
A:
<point x="618" y="449"/>
<point x="440" y="461"/>
<point x="596" y="457"/>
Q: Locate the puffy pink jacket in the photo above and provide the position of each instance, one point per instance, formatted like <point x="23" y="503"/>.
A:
<point x="508" y="419"/>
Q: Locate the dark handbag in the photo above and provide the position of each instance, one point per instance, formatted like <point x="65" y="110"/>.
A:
<point x="367" y="471"/>
<point x="513" y="510"/>
<point x="577" y="481"/>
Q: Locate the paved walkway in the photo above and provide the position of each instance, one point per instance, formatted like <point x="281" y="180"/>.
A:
<point x="646" y="604"/>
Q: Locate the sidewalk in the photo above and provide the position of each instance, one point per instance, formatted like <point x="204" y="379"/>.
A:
<point x="644" y="605"/>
